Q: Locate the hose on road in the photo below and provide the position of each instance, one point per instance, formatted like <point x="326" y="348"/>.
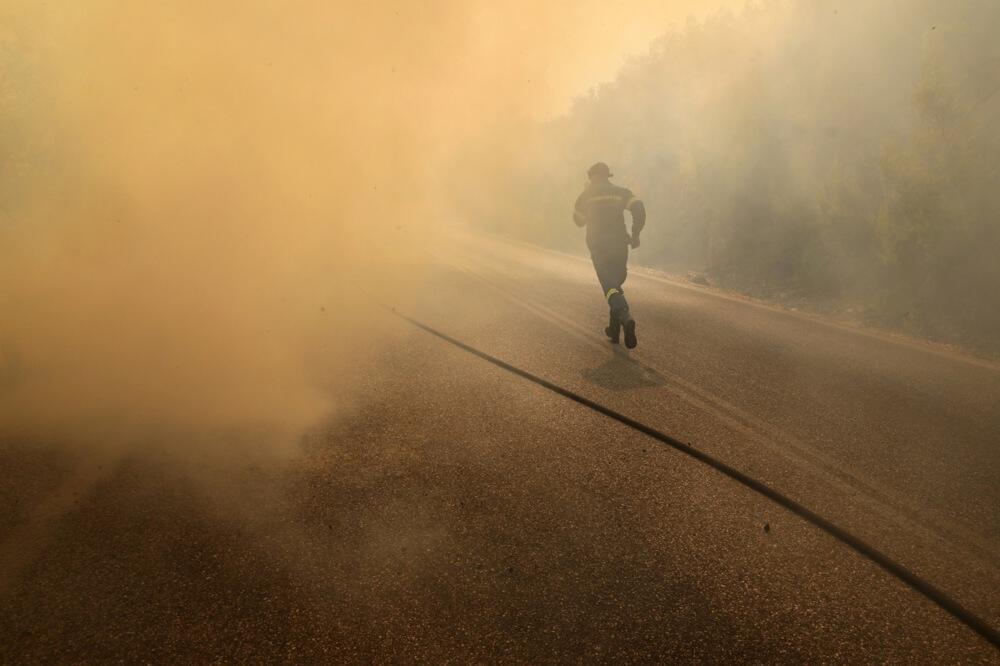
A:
<point x="915" y="582"/>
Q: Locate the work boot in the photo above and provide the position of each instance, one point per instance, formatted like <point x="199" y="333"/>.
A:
<point x="613" y="330"/>
<point x="629" y="325"/>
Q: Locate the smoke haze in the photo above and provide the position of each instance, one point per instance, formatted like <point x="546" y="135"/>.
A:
<point x="199" y="204"/>
<point x="194" y="195"/>
<point x="839" y="156"/>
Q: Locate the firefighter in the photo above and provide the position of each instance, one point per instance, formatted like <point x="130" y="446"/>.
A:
<point x="601" y="208"/>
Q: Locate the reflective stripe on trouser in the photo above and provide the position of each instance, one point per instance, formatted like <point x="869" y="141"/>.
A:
<point x="610" y="264"/>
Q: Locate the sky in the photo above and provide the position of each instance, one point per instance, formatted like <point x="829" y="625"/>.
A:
<point x="562" y="49"/>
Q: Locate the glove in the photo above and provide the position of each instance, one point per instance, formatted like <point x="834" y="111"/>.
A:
<point x="634" y="241"/>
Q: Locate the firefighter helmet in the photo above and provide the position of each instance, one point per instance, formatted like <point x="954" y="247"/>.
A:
<point x="599" y="170"/>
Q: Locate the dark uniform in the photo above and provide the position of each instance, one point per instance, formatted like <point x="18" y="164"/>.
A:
<point x="601" y="208"/>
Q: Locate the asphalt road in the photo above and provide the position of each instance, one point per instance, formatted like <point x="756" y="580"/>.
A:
<point x="457" y="512"/>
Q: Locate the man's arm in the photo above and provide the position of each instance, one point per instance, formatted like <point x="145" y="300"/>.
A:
<point x="579" y="215"/>
<point x="638" y="212"/>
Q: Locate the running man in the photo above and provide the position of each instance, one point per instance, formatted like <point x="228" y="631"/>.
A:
<point x="601" y="208"/>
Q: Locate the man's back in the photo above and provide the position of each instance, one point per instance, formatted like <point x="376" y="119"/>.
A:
<point x="601" y="207"/>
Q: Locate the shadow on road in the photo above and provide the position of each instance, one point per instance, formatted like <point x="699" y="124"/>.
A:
<point x="621" y="373"/>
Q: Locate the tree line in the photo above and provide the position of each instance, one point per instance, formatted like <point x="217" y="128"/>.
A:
<point x="843" y="156"/>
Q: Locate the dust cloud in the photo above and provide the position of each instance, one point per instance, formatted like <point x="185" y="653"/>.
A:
<point x="199" y="202"/>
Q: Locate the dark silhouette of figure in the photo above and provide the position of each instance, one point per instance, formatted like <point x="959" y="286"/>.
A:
<point x="601" y="208"/>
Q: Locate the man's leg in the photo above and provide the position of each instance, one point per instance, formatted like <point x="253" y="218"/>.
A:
<point x="611" y="267"/>
<point x="620" y="313"/>
<point x="619" y="306"/>
<point x="614" y="329"/>
<point x="609" y="286"/>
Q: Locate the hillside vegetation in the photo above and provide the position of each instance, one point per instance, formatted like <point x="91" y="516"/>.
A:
<point x="843" y="156"/>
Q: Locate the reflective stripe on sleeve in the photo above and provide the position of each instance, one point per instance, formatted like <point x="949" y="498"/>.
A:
<point x="611" y="292"/>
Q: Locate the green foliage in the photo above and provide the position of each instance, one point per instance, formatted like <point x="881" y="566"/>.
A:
<point x="840" y="153"/>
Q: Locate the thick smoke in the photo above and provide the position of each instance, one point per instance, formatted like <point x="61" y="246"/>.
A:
<point x="184" y="227"/>
<point x="838" y="156"/>
<point x="200" y="201"/>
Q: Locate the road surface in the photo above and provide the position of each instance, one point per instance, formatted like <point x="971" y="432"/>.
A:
<point x="457" y="511"/>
